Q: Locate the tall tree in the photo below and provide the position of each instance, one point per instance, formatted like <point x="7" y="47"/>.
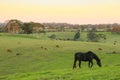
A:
<point x="77" y="35"/>
<point x="32" y="27"/>
<point x="13" y="26"/>
<point x="27" y="28"/>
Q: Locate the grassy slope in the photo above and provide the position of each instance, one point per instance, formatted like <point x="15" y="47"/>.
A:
<point x="35" y="63"/>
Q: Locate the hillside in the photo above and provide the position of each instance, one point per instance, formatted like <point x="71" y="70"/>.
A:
<point x="28" y="58"/>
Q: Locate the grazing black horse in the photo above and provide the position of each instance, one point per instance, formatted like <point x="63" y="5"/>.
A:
<point x="88" y="56"/>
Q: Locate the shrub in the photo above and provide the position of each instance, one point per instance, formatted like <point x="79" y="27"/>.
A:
<point x="92" y="36"/>
<point x="53" y="36"/>
<point x="77" y="35"/>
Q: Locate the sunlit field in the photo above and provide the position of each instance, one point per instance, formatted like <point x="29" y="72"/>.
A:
<point x="36" y="57"/>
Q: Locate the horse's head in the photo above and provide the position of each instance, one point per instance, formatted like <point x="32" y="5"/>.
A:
<point x="99" y="63"/>
<point x="96" y="58"/>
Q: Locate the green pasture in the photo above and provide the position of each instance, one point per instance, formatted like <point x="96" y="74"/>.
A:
<point x="36" y="57"/>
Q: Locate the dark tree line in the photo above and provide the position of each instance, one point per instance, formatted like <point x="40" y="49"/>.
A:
<point x="61" y="27"/>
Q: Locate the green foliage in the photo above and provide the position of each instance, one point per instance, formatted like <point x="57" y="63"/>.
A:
<point x="92" y="36"/>
<point x="53" y="36"/>
<point x="102" y="36"/>
<point x="27" y="28"/>
<point x="77" y="35"/>
<point x="42" y="31"/>
<point x="32" y="27"/>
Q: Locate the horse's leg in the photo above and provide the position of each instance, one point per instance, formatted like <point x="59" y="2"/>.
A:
<point x="91" y="64"/>
<point x="79" y="64"/>
<point x="74" y="65"/>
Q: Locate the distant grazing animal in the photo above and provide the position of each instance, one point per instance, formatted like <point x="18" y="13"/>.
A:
<point x="41" y="47"/>
<point x="100" y="49"/>
<point x="60" y="39"/>
<point x="88" y="56"/>
<point x="17" y="54"/>
<point x="57" y="46"/>
<point x="9" y="50"/>
<point x="115" y="42"/>
<point x="68" y="38"/>
<point x="114" y="52"/>
<point x="45" y="48"/>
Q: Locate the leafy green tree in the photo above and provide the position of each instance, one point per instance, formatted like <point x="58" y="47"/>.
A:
<point x="92" y="36"/>
<point x="27" y="28"/>
<point x="77" y="35"/>
<point x="32" y="27"/>
<point x="53" y="36"/>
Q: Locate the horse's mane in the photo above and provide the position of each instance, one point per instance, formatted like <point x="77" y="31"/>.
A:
<point x="95" y="56"/>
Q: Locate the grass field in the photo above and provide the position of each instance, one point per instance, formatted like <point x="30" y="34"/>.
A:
<point x="52" y="63"/>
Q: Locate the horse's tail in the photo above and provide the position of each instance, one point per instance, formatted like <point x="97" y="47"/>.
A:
<point x="75" y="59"/>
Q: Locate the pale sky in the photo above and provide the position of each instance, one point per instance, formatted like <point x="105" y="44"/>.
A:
<point x="63" y="11"/>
